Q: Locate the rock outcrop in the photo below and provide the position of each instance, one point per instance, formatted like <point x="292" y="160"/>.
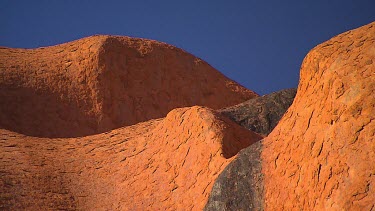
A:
<point x="167" y="164"/>
<point x="100" y="83"/>
<point x="321" y="155"/>
<point x="261" y="114"/>
<point x="240" y="185"/>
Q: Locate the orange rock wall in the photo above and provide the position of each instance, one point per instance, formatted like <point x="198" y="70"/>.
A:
<point x="321" y="155"/>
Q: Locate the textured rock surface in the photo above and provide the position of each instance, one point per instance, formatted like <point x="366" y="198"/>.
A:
<point x="261" y="114"/>
<point x="100" y="83"/>
<point x="240" y="185"/>
<point x="321" y="155"/>
<point x="167" y="164"/>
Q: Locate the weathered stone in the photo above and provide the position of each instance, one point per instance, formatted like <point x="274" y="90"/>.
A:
<point x="167" y="164"/>
<point x="240" y="185"/>
<point x="261" y="114"/>
<point x="321" y="155"/>
<point x="99" y="83"/>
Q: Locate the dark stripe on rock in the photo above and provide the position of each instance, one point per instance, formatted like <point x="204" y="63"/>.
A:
<point x="240" y="185"/>
<point x="261" y="114"/>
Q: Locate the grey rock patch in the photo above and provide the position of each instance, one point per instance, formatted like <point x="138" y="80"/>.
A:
<point x="240" y="185"/>
<point x="261" y="114"/>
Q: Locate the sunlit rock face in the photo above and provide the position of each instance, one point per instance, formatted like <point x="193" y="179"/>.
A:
<point x="94" y="125"/>
<point x="321" y="154"/>
<point x="161" y="163"/>
<point x="100" y="83"/>
<point x="82" y="127"/>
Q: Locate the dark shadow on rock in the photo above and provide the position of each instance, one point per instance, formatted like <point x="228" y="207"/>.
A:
<point x="240" y="185"/>
<point x="233" y="140"/>
<point x="261" y="114"/>
<point x="42" y="114"/>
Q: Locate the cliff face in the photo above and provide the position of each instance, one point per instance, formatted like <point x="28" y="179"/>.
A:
<point x="100" y="83"/>
<point x="320" y="156"/>
<point x="322" y="153"/>
<point x="168" y="163"/>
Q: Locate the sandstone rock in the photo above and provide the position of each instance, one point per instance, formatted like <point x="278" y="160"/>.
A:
<point x="167" y="164"/>
<point x="99" y="83"/>
<point x="261" y="114"/>
<point x="321" y="155"/>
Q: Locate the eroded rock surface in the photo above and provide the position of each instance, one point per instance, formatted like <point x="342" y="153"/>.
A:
<point x="240" y="185"/>
<point x="167" y="164"/>
<point x="99" y="83"/>
<point x="261" y="114"/>
<point x="321" y="155"/>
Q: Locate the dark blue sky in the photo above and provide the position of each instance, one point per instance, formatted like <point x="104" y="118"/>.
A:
<point x="259" y="44"/>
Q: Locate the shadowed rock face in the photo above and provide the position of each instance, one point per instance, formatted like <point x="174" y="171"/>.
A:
<point x="321" y="154"/>
<point x="240" y="185"/>
<point x="261" y="114"/>
<point x="167" y="164"/>
<point x="99" y="83"/>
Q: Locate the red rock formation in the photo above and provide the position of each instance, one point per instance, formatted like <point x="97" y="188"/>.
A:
<point x="321" y="155"/>
<point x="167" y="164"/>
<point x="100" y="83"/>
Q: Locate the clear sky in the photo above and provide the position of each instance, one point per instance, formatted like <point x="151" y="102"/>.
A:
<point x="259" y="44"/>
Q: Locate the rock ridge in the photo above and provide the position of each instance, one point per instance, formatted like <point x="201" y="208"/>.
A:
<point x="167" y="163"/>
<point x="320" y="155"/>
<point x="99" y="83"/>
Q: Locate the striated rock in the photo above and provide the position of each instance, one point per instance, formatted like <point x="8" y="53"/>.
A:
<point x="321" y="155"/>
<point x="240" y="185"/>
<point x="261" y="114"/>
<point x="99" y="83"/>
<point x="167" y="164"/>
